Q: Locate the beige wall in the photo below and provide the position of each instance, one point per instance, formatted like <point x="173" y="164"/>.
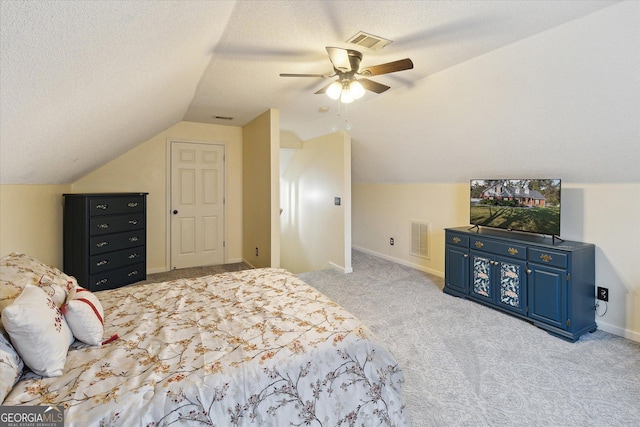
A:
<point x="260" y="191"/>
<point x="384" y="211"/>
<point x="145" y="169"/>
<point x="316" y="233"/>
<point x="31" y="221"/>
<point x="603" y="214"/>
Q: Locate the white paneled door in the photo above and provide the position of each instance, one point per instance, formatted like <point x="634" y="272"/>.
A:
<point x="197" y="204"/>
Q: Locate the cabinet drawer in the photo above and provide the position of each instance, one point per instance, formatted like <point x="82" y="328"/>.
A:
<point x="457" y="240"/>
<point x="114" y="224"/>
<point x="115" y="205"/>
<point x="554" y="258"/>
<point x="115" y="242"/>
<point x="111" y="260"/>
<point x="118" y="277"/>
<point x="504" y="249"/>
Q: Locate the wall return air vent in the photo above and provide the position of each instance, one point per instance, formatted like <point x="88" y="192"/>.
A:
<point x="420" y="239"/>
<point x="368" y="40"/>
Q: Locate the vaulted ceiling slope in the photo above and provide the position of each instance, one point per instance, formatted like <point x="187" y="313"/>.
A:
<point x="85" y="81"/>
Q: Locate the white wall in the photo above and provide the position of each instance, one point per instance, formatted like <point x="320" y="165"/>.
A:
<point x="564" y="102"/>
<point x="316" y="233"/>
<point x="561" y="104"/>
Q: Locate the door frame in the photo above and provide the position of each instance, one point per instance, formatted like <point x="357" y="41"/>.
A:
<point x="169" y="141"/>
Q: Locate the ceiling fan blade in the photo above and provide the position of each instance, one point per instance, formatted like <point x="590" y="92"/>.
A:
<point x="389" y="67"/>
<point x="323" y="89"/>
<point x="339" y="58"/>
<point x="305" y="75"/>
<point x="373" y="86"/>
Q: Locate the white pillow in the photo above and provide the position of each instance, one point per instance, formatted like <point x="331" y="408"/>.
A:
<point x="56" y="292"/>
<point x="38" y="331"/>
<point x="84" y="315"/>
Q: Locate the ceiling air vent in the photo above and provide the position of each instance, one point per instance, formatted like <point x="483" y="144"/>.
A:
<point x="369" y="41"/>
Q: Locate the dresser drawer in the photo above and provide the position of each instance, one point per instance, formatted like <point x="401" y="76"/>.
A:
<point x="554" y="258"/>
<point x="118" y="277"/>
<point x="499" y="248"/>
<point x="457" y="240"/>
<point x="115" y="242"/>
<point x="115" y="205"/>
<point x="111" y="260"/>
<point x="113" y="224"/>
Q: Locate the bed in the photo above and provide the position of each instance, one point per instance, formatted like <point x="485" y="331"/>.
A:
<point x="255" y="347"/>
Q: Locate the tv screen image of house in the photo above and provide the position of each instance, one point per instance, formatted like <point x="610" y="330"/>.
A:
<point x="531" y="205"/>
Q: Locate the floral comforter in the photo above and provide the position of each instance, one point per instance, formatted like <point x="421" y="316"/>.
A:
<point x="255" y="347"/>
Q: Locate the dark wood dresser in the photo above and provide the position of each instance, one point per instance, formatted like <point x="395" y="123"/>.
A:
<point x="104" y="239"/>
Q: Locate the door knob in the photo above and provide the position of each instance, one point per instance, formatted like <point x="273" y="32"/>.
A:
<point x="175" y="212"/>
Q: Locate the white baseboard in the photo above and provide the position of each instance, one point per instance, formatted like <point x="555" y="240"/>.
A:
<point x="248" y="263"/>
<point x="400" y="261"/>
<point x="621" y="332"/>
<point x="340" y="268"/>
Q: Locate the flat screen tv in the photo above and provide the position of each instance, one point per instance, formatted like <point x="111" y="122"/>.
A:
<point x="530" y="205"/>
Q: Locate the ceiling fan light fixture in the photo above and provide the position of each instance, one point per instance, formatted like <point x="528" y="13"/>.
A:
<point x="357" y="91"/>
<point x="334" y="90"/>
<point x="346" y="97"/>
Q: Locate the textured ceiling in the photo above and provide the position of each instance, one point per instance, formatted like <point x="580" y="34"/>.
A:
<point x="84" y="81"/>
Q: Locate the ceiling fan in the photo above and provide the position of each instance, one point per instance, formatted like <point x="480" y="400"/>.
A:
<point x="352" y="82"/>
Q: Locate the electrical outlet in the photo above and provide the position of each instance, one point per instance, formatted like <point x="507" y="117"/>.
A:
<point x="256" y="251"/>
<point x="603" y="294"/>
<point x="391" y="241"/>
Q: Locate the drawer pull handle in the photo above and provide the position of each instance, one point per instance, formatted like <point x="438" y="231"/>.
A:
<point x="101" y="282"/>
<point x="133" y="273"/>
<point x="102" y="206"/>
<point x="133" y="204"/>
<point x="456" y="240"/>
<point x="133" y="239"/>
<point x="101" y="244"/>
<point x="133" y="221"/>
<point x="479" y="244"/>
<point x="103" y="226"/>
<point x="134" y="256"/>
<point x="101" y="263"/>
<point x="512" y="251"/>
<point x="465" y="256"/>
<point x="545" y="257"/>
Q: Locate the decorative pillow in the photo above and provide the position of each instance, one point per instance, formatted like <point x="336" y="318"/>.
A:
<point x="56" y="292"/>
<point x="85" y="315"/>
<point x="38" y="331"/>
<point x="17" y="270"/>
<point x="11" y="367"/>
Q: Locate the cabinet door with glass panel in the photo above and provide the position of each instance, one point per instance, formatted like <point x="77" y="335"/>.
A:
<point x="499" y="281"/>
